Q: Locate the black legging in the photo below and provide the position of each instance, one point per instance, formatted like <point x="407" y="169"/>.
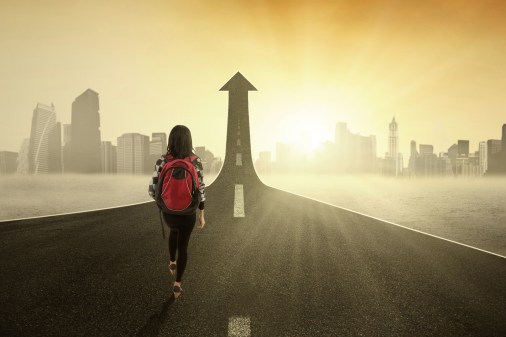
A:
<point x="178" y="240"/>
<point x="181" y="227"/>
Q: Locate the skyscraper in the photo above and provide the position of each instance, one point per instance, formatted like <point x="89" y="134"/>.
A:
<point x="393" y="146"/>
<point x="353" y="152"/>
<point x="23" y="160"/>
<point x="66" y="160"/>
<point x="158" y="144"/>
<point x="133" y="154"/>
<point x="85" y="134"/>
<point x="483" y="157"/>
<point x="109" y="157"/>
<point x="496" y="154"/>
<point x="45" y="141"/>
<point x="412" y="158"/>
<point x="463" y="147"/>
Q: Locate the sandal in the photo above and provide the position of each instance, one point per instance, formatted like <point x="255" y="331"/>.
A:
<point x="177" y="291"/>
<point x="172" y="268"/>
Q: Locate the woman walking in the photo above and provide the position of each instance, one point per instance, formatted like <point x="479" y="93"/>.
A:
<point x="179" y="150"/>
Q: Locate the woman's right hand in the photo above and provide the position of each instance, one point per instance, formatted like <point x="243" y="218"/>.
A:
<point x="202" y="221"/>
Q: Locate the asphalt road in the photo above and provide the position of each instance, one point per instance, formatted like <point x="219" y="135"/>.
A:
<point x="290" y="267"/>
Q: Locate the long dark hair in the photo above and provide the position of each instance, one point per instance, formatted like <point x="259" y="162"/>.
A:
<point x="180" y="142"/>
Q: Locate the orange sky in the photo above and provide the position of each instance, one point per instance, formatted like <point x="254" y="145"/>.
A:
<point x="439" y="68"/>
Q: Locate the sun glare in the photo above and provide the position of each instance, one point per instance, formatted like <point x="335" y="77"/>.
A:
<point x="307" y="127"/>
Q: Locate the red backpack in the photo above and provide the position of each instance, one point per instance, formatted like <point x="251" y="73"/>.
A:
<point x="177" y="191"/>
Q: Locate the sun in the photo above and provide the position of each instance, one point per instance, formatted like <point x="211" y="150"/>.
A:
<point x="306" y="129"/>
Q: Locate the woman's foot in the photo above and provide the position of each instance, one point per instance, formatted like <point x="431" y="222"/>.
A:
<point x="177" y="289"/>
<point x="172" y="267"/>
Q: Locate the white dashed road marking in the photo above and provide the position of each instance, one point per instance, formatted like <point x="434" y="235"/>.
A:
<point x="238" y="142"/>
<point x="238" y="159"/>
<point x="239" y="201"/>
<point x="239" y="327"/>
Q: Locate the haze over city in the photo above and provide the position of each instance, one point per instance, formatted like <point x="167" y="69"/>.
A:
<point x="438" y="68"/>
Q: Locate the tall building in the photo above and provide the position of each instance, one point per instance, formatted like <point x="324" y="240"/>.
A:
<point x="263" y="163"/>
<point x="133" y="154"/>
<point x="353" y="152"/>
<point x="426" y="149"/>
<point x="23" y="160"/>
<point x="453" y="152"/>
<point x="8" y="162"/>
<point x="109" y="157"/>
<point x="393" y="146"/>
<point x="201" y="152"/>
<point x="158" y="144"/>
<point x="65" y="151"/>
<point x="412" y="158"/>
<point x="66" y="134"/>
<point x="483" y="157"/>
<point x="85" y="134"/>
<point x="494" y="147"/>
<point x="463" y="148"/>
<point x="45" y="141"/>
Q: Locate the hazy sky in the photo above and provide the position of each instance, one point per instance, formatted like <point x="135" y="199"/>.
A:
<point x="438" y="66"/>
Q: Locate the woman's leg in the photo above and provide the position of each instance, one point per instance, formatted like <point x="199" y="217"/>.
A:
<point x="173" y="238"/>
<point x="182" y="246"/>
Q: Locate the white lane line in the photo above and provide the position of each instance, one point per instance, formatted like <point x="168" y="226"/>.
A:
<point x="239" y="326"/>
<point x="76" y="212"/>
<point x="388" y="222"/>
<point x="238" y="142"/>
<point x="239" y="201"/>
<point x="238" y="159"/>
<point x="238" y="133"/>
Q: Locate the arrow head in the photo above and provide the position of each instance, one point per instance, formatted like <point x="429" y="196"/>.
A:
<point x="238" y="83"/>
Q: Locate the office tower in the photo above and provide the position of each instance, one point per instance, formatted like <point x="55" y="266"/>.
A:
<point x="133" y="154"/>
<point x="427" y="161"/>
<point x="452" y="154"/>
<point x="353" y="152"/>
<point x="341" y="136"/>
<point x="494" y="147"/>
<point x="400" y="163"/>
<point x="426" y="149"/>
<point x="66" y="134"/>
<point x="393" y="146"/>
<point x="463" y="148"/>
<point x="85" y="134"/>
<point x="8" y="162"/>
<point x="23" y="160"/>
<point x="201" y="152"/>
<point x="412" y="158"/>
<point x="216" y="166"/>
<point x="109" y="157"/>
<point x="483" y="157"/>
<point x="158" y="144"/>
<point x="263" y="163"/>
<point x="66" y="147"/>
<point x="45" y="141"/>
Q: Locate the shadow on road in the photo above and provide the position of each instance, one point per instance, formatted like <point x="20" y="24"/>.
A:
<point x="157" y="320"/>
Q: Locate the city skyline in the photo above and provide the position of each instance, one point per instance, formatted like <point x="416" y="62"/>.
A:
<point x="360" y="151"/>
<point x="438" y="67"/>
